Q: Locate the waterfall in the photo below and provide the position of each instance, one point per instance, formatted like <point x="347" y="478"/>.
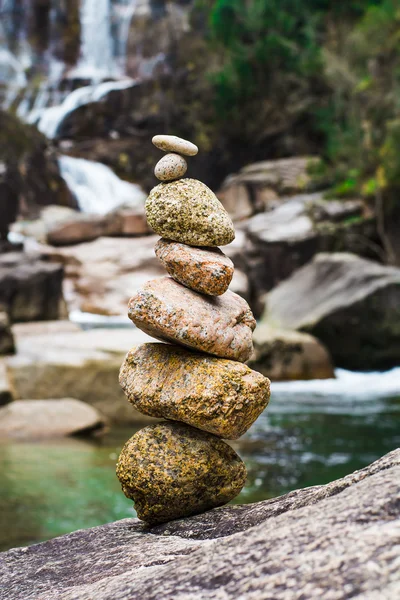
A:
<point x="96" y="187"/>
<point x="104" y="36"/>
<point x="49" y="120"/>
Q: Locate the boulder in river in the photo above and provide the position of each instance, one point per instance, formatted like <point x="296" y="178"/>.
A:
<point x="57" y="359"/>
<point x="39" y="419"/>
<point x="30" y="288"/>
<point x="351" y="304"/>
<point x="7" y="345"/>
<point x="286" y="355"/>
<point x="337" y="541"/>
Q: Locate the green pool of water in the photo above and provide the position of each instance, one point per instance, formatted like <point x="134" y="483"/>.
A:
<point x="304" y="438"/>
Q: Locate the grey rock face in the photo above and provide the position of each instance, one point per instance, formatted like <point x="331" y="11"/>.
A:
<point x="351" y="304"/>
<point x="6" y="337"/>
<point x="30" y="288"/>
<point x="336" y="541"/>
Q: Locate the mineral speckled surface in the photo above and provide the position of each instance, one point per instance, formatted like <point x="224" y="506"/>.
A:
<point x="172" y="471"/>
<point x="220" y="325"/>
<point x="223" y="397"/>
<point x="172" y="143"/>
<point x="187" y="211"/>
<point x="170" y="167"/>
<point x="205" y="270"/>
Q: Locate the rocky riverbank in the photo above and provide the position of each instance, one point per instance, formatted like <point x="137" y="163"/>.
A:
<point x="347" y="531"/>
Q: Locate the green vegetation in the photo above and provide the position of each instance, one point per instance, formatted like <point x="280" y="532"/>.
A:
<point x="283" y="71"/>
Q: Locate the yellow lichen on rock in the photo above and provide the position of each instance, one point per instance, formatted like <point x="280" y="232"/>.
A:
<point x="223" y="397"/>
<point x="173" y="471"/>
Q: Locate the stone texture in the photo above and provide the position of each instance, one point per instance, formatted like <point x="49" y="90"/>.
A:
<point x="286" y="355"/>
<point x="30" y="288"/>
<point x="221" y="325"/>
<point x="62" y="226"/>
<point x="351" y="304"/>
<point x="171" y="471"/>
<point x="6" y="337"/>
<point x="205" y="270"/>
<point x="337" y="541"/>
<point x="222" y="397"/>
<point x="6" y="390"/>
<point x="38" y="419"/>
<point x="288" y="235"/>
<point x="102" y="275"/>
<point x="170" y="167"/>
<point x="172" y="143"/>
<point x="59" y="360"/>
<point x="188" y="211"/>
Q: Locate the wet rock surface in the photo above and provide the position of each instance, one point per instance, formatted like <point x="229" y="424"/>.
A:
<point x="220" y="396"/>
<point x="188" y="211"/>
<point x="337" y="528"/>
<point x="168" y="311"/>
<point x="172" y="470"/>
<point x="205" y="270"/>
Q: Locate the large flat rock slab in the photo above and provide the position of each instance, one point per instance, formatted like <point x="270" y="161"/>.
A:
<point x="336" y="541"/>
<point x="59" y="360"/>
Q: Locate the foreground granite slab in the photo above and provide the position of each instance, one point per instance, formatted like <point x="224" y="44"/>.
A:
<point x="335" y="541"/>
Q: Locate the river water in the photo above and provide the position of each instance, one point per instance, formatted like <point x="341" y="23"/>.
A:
<point x="312" y="433"/>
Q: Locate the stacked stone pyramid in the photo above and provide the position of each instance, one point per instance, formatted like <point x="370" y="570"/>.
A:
<point x="197" y="380"/>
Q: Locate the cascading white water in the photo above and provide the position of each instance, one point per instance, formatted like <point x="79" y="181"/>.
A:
<point x="97" y="189"/>
<point x="49" y="120"/>
<point x="104" y="37"/>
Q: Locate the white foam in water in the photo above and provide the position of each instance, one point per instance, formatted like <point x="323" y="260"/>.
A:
<point x="346" y="384"/>
<point x="89" y="320"/>
<point x="96" y="187"/>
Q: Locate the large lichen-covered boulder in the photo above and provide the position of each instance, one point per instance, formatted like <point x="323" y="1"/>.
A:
<point x="223" y="397"/>
<point x="351" y="304"/>
<point x="172" y="471"/>
<point x="188" y="211"/>
<point x="169" y="311"/>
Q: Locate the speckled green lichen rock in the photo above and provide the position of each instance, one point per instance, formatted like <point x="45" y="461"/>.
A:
<point x="187" y="211"/>
<point x="172" y="471"/>
<point x="223" y="397"/>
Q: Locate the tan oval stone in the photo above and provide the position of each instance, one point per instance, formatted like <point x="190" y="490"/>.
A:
<point x="187" y="211"/>
<point x="172" y="143"/>
<point x="170" y="167"/>
<point x="172" y="471"/>
<point x="205" y="270"/>
<point x="221" y="325"/>
<point x="223" y="397"/>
